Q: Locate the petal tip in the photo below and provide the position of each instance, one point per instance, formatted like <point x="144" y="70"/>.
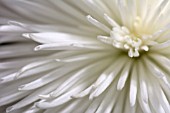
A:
<point x="26" y="35"/>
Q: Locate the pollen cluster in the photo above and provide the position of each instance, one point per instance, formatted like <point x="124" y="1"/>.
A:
<point x="123" y="38"/>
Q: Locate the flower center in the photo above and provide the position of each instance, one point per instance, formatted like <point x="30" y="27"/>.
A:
<point x="122" y="38"/>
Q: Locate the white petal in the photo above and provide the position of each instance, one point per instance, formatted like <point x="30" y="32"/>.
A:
<point x="98" y="24"/>
<point x="111" y="21"/>
<point x="110" y="75"/>
<point x="133" y="87"/>
<point x="143" y="84"/>
<point x="124" y="75"/>
<point x="55" y="37"/>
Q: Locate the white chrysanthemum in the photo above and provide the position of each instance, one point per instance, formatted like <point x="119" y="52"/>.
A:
<point x="92" y="56"/>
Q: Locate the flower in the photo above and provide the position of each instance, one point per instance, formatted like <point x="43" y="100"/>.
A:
<point x="92" y="56"/>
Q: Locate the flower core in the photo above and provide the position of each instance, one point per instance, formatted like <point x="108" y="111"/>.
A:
<point x="122" y="38"/>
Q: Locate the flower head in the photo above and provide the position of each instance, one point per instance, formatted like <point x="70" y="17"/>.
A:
<point x="92" y="56"/>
